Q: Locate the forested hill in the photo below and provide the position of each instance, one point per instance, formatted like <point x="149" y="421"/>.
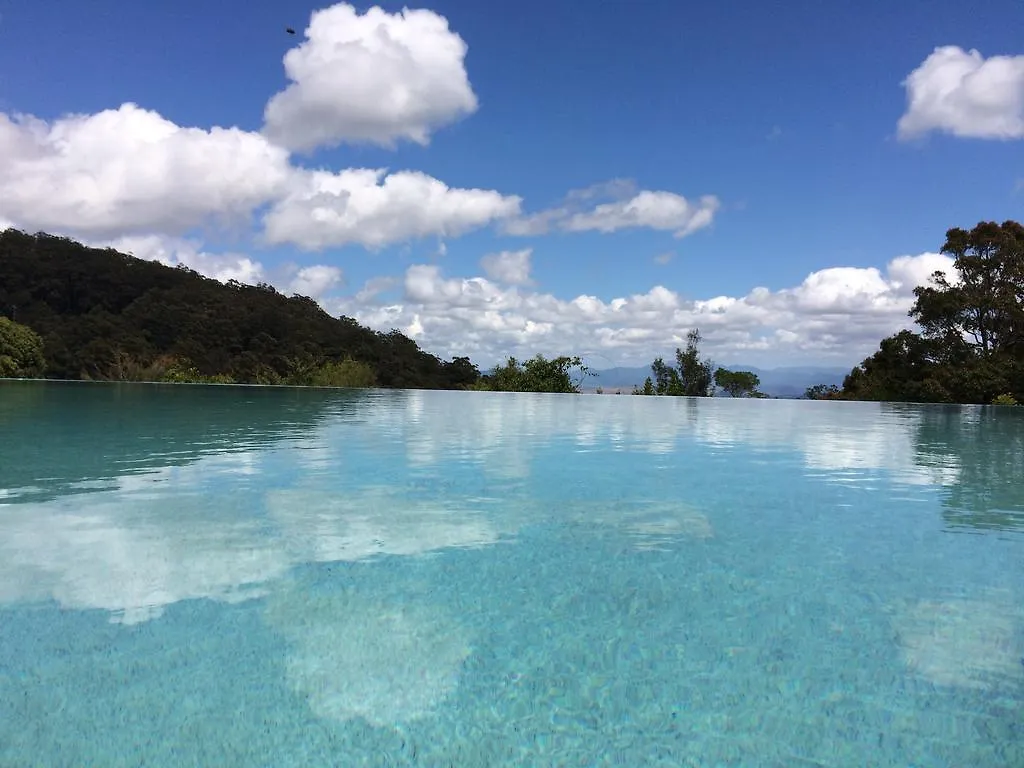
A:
<point x="106" y="315"/>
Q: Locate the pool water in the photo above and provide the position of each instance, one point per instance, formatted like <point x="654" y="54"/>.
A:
<point x="245" y="576"/>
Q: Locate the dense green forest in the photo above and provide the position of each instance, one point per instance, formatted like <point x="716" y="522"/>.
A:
<point x="72" y="312"/>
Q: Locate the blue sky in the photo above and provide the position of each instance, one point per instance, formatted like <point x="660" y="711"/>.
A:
<point x="786" y="114"/>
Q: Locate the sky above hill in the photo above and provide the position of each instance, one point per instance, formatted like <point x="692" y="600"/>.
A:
<point x="500" y="178"/>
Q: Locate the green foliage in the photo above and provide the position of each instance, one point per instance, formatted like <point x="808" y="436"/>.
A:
<point x="462" y="373"/>
<point x="538" y="375"/>
<point x="648" y="388"/>
<point x="903" y="369"/>
<point x="695" y="373"/>
<point x="822" y="392"/>
<point x="21" y="350"/>
<point x="984" y="310"/>
<point x="1004" y="399"/>
<point x="971" y="345"/>
<point x="667" y="380"/>
<point x="738" y="383"/>
<point x="691" y="376"/>
<point x="106" y="315"/>
<point x="344" y="373"/>
<point x="123" y="367"/>
<point x="183" y="372"/>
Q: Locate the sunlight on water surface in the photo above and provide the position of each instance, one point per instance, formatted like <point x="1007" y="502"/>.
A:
<point x="256" y="576"/>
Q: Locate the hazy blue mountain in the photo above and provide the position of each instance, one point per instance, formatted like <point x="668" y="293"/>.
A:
<point x="788" y="381"/>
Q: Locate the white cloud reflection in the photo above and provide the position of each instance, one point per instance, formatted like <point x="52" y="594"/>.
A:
<point x="502" y="428"/>
<point x="130" y="555"/>
<point x="151" y="540"/>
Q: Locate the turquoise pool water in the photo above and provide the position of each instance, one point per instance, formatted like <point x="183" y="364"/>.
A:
<point x="230" y="576"/>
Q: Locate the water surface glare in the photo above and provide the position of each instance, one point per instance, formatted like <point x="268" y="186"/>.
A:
<point x="245" y="576"/>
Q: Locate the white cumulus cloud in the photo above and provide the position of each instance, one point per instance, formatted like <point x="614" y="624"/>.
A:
<point x="130" y="171"/>
<point x="374" y="77"/>
<point x="962" y="93"/>
<point x="374" y="209"/>
<point x="838" y="313"/>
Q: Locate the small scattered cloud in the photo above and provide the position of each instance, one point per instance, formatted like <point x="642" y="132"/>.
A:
<point x="374" y="287"/>
<point x="664" y="258"/>
<point x="508" y="267"/>
<point x="315" y="281"/>
<point x="625" y="207"/>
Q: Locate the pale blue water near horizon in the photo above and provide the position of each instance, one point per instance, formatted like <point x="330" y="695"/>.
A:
<point x="244" y="576"/>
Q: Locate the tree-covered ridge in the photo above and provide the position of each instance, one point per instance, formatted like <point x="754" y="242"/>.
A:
<point x="72" y="312"/>
<point x="970" y="348"/>
<point x="102" y="314"/>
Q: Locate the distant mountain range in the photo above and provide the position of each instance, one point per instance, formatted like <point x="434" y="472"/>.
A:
<point x="776" y="382"/>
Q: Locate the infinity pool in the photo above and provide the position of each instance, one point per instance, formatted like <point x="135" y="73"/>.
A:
<point x="242" y="576"/>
